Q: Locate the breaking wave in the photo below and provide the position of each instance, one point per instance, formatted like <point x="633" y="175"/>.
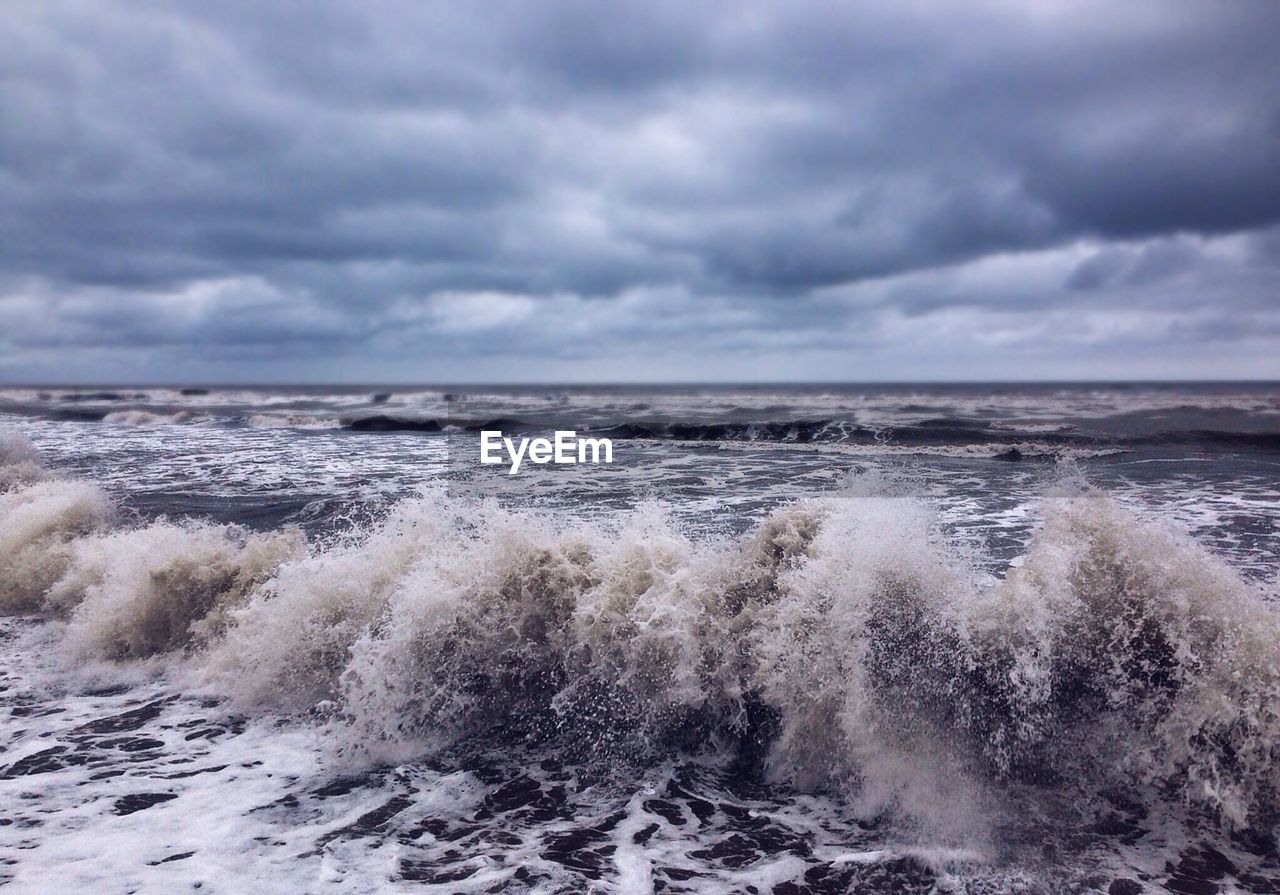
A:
<point x="291" y="421"/>
<point x="149" y="418"/>
<point x="41" y="520"/>
<point x="846" y="644"/>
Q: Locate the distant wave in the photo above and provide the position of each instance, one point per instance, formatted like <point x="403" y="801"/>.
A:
<point x="103" y="396"/>
<point x="1071" y="423"/>
<point x="149" y="418"/>
<point x="843" y="644"/>
<point x="291" y="421"/>
<point x="382" y="423"/>
<point x="936" y="433"/>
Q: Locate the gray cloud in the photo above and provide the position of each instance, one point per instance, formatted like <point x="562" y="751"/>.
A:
<point x="603" y="184"/>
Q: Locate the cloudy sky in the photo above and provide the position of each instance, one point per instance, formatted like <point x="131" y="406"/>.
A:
<point x="402" y="190"/>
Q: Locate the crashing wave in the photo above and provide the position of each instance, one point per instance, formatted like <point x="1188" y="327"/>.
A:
<point x="164" y="587"/>
<point x="19" y="461"/>
<point x="845" y="644"/>
<point x="41" y="519"/>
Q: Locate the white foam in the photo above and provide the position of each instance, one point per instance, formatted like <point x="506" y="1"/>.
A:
<point x="39" y="525"/>
<point x="149" y="418"/>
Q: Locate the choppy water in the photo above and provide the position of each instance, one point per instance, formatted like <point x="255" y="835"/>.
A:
<point x="794" y="639"/>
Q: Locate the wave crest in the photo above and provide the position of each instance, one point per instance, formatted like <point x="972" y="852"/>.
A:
<point x="168" y="586"/>
<point x="39" y="528"/>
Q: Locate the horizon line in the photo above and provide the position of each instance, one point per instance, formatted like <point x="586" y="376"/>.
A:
<point x="549" y="383"/>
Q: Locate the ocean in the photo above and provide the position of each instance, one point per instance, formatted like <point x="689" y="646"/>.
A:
<point x="800" y="638"/>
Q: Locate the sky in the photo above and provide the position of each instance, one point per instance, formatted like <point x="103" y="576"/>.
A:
<point x="410" y="191"/>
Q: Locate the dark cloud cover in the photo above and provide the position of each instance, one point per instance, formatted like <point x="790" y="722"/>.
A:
<point x="583" y="190"/>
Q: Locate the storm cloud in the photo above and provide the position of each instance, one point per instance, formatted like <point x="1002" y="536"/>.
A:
<point x="398" y="190"/>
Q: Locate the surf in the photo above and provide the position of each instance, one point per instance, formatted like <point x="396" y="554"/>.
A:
<point x="845" y="645"/>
